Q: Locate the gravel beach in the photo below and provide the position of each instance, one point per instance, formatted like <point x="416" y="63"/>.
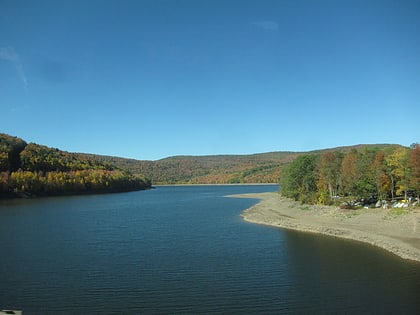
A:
<point x="395" y="230"/>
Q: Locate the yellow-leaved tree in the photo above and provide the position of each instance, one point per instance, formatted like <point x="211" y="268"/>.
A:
<point x="398" y="169"/>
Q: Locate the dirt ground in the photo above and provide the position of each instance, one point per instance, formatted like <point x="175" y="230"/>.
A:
<point x="396" y="230"/>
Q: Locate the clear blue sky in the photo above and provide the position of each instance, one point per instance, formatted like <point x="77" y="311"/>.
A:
<point x="151" y="79"/>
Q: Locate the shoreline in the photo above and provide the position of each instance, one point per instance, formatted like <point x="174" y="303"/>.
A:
<point x="233" y="184"/>
<point x="27" y="195"/>
<point x="398" y="233"/>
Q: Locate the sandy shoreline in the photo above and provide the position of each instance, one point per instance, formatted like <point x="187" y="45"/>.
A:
<point x="398" y="233"/>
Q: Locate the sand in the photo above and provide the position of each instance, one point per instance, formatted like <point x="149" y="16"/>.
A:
<point x="395" y="230"/>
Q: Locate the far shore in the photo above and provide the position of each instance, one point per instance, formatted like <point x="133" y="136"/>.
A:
<point x="227" y="184"/>
<point x="395" y="230"/>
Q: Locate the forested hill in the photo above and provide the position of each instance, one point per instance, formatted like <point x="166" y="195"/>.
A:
<point x="217" y="169"/>
<point x="36" y="169"/>
<point x="33" y="170"/>
<point x="222" y="169"/>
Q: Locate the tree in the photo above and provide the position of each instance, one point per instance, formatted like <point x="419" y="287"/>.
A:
<point x="365" y="183"/>
<point x="299" y="179"/>
<point x="10" y="148"/>
<point x="4" y="161"/>
<point x="349" y="172"/>
<point x="398" y="170"/>
<point x="414" y="164"/>
<point x="382" y="181"/>
<point x="328" y="179"/>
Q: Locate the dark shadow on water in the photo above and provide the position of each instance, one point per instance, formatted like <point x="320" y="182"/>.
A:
<point x="334" y="275"/>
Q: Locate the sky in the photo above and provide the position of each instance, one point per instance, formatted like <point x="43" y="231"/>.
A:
<point x="152" y="79"/>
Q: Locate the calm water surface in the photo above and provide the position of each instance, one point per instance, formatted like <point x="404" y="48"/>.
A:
<point x="177" y="250"/>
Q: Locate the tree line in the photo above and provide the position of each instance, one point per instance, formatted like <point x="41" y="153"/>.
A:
<point x="381" y="173"/>
<point x="217" y="169"/>
<point x="32" y="169"/>
<point x="384" y="171"/>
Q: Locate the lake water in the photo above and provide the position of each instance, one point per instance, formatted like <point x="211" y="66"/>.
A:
<point x="180" y="249"/>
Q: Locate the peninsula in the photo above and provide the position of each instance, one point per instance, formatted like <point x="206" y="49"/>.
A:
<point x="395" y="230"/>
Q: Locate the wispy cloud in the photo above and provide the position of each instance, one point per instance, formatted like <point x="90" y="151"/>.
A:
<point x="9" y="54"/>
<point x="267" y="25"/>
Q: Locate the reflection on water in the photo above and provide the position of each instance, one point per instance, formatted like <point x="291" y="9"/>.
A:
<point x="177" y="250"/>
<point x="339" y="274"/>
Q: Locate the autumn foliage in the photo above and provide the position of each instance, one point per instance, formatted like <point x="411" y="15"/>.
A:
<point x="32" y="169"/>
<point x="382" y="173"/>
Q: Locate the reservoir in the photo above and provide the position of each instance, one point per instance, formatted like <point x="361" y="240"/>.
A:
<point x="186" y="250"/>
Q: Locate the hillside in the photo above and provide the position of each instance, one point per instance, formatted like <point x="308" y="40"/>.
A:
<point x="33" y="170"/>
<point x="16" y="154"/>
<point x="220" y="169"/>
<point x="216" y="169"/>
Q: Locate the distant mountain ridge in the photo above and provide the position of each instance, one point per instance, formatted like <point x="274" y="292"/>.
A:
<point x="222" y="169"/>
<point x="181" y="169"/>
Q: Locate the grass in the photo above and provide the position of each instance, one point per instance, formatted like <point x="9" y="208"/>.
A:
<point x="398" y="211"/>
<point x="305" y="208"/>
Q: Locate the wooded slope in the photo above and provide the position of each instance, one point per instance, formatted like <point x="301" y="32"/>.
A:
<point x="220" y="169"/>
<point x="36" y="169"/>
<point x="32" y="169"/>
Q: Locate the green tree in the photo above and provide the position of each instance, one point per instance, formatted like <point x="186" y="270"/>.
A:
<point x="299" y="179"/>
<point x="10" y="148"/>
<point x="365" y="183"/>
<point x="328" y="179"/>
<point x="414" y="163"/>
